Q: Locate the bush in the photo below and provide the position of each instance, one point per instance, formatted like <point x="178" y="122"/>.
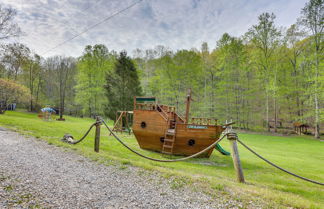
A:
<point x="11" y="92"/>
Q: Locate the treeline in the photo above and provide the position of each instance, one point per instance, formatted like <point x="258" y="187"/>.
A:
<point x="99" y="82"/>
<point x="267" y="77"/>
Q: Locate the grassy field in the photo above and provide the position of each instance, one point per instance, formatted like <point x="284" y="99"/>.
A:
<point x="300" y="154"/>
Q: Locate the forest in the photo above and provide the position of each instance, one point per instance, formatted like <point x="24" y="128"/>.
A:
<point x="265" y="80"/>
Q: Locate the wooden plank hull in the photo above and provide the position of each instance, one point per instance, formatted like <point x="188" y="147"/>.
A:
<point x="149" y="128"/>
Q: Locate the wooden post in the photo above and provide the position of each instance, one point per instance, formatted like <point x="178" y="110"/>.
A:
<point x="188" y="106"/>
<point x="97" y="134"/>
<point x="236" y="158"/>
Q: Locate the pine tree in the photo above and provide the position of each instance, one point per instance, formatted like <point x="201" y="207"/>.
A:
<point x="122" y="84"/>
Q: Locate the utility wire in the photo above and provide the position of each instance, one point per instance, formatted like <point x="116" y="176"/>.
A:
<point x="67" y="24"/>
<point x="93" y="26"/>
<point x="89" y="7"/>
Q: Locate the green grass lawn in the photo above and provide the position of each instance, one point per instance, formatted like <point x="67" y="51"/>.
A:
<point x="299" y="154"/>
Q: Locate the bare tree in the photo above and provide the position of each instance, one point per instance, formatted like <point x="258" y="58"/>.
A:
<point x="8" y="28"/>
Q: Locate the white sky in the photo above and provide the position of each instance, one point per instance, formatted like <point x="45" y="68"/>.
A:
<point x="178" y="24"/>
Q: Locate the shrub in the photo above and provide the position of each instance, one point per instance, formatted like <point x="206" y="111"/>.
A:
<point x="11" y="92"/>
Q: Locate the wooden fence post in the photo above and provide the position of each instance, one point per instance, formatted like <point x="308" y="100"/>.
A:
<point x="97" y="134"/>
<point x="236" y="158"/>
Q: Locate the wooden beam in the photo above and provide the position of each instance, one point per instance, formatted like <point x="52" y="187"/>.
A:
<point x="188" y="105"/>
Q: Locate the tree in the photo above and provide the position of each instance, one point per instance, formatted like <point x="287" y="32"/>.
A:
<point x="294" y="47"/>
<point x="122" y="84"/>
<point x="32" y="74"/>
<point x="13" y="56"/>
<point x="313" y="19"/>
<point x="206" y="66"/>
<point x="232" y="81"/>
<point x="11" y="92"/>
<point x="8" y="28"/>
<point x="60" y="72"/>
<point x="265" y="37"/>
<point x="92" y="67"/>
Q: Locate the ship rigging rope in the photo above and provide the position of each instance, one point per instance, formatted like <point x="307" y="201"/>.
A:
<point x="161" y="160"/>
<point x="278" y="167"/>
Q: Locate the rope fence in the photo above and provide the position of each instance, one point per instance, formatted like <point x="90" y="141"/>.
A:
<point x="231" y="136"/>
<point x="278" y="167"/>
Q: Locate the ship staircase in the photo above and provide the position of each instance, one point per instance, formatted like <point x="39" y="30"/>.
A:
<point x="169" y="114"/>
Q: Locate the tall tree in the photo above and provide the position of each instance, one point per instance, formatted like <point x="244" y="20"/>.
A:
<point x="122" y="84"/>
<point x="32" y="73"/>
<point x="13" y="56"/>
<point x="294" y="47"/>
<point x="231" y="56"/>
<point x="8" y="28"/>
<point x="65" y="71"/>
<point x="313" y="19"/>
<point x="59" y="80"/>
<point x="265" y="37"/>
<point x="92" y="68"/>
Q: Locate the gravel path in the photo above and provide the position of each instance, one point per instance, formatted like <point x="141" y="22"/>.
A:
<point x="35" y="174"/>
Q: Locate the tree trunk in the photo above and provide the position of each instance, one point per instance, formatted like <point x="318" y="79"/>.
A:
<point x="37" y="91"/>
<point x="267" y="111"/>
<point x="317" y="114"/>
<point x="275" y="114"/>
<point x="317" y="127"/>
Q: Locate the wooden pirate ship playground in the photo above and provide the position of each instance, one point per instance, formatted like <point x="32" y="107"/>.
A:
<point x="160" y="128"/>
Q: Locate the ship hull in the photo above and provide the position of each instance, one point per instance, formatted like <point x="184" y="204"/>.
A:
<point x="149" y="128"/>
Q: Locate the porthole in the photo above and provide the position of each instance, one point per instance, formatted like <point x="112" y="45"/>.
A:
<point x="162" y="139"/>
<point x="191" y="142"/>
<point x="143" y="124"/>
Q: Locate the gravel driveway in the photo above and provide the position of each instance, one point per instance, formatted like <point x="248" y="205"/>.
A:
<point x="35" y="174"/>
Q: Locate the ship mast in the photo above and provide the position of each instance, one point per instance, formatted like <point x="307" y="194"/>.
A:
<point x="188" y="105"/>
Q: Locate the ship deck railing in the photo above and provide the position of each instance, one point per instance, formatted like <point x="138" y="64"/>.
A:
<point x="151" y="106"/>
<point x="203" y="121"/>
<point x="165" y="111"/>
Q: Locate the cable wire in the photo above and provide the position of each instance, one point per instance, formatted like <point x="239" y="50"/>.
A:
<point x="93" y="26"/>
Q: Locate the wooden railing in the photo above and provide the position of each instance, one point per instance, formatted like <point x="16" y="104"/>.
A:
<point x="162" y="112"/>
<point x="142" y="106"/>
<point x="167" y="108"/>
<point x="180" y="117"/>
<point x="204" y="121"/>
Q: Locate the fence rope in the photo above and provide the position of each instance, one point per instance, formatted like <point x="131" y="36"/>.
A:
<point x="83" y="137"/>
<point x="161" y="160"/>
<point x="278" y="167"/>
<point x="194" y="155"/>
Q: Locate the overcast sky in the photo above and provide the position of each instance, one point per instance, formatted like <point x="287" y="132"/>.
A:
<point x="178" y="24"/>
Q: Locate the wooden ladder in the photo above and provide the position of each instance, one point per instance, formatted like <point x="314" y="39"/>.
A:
<point x="169" y="137"/>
